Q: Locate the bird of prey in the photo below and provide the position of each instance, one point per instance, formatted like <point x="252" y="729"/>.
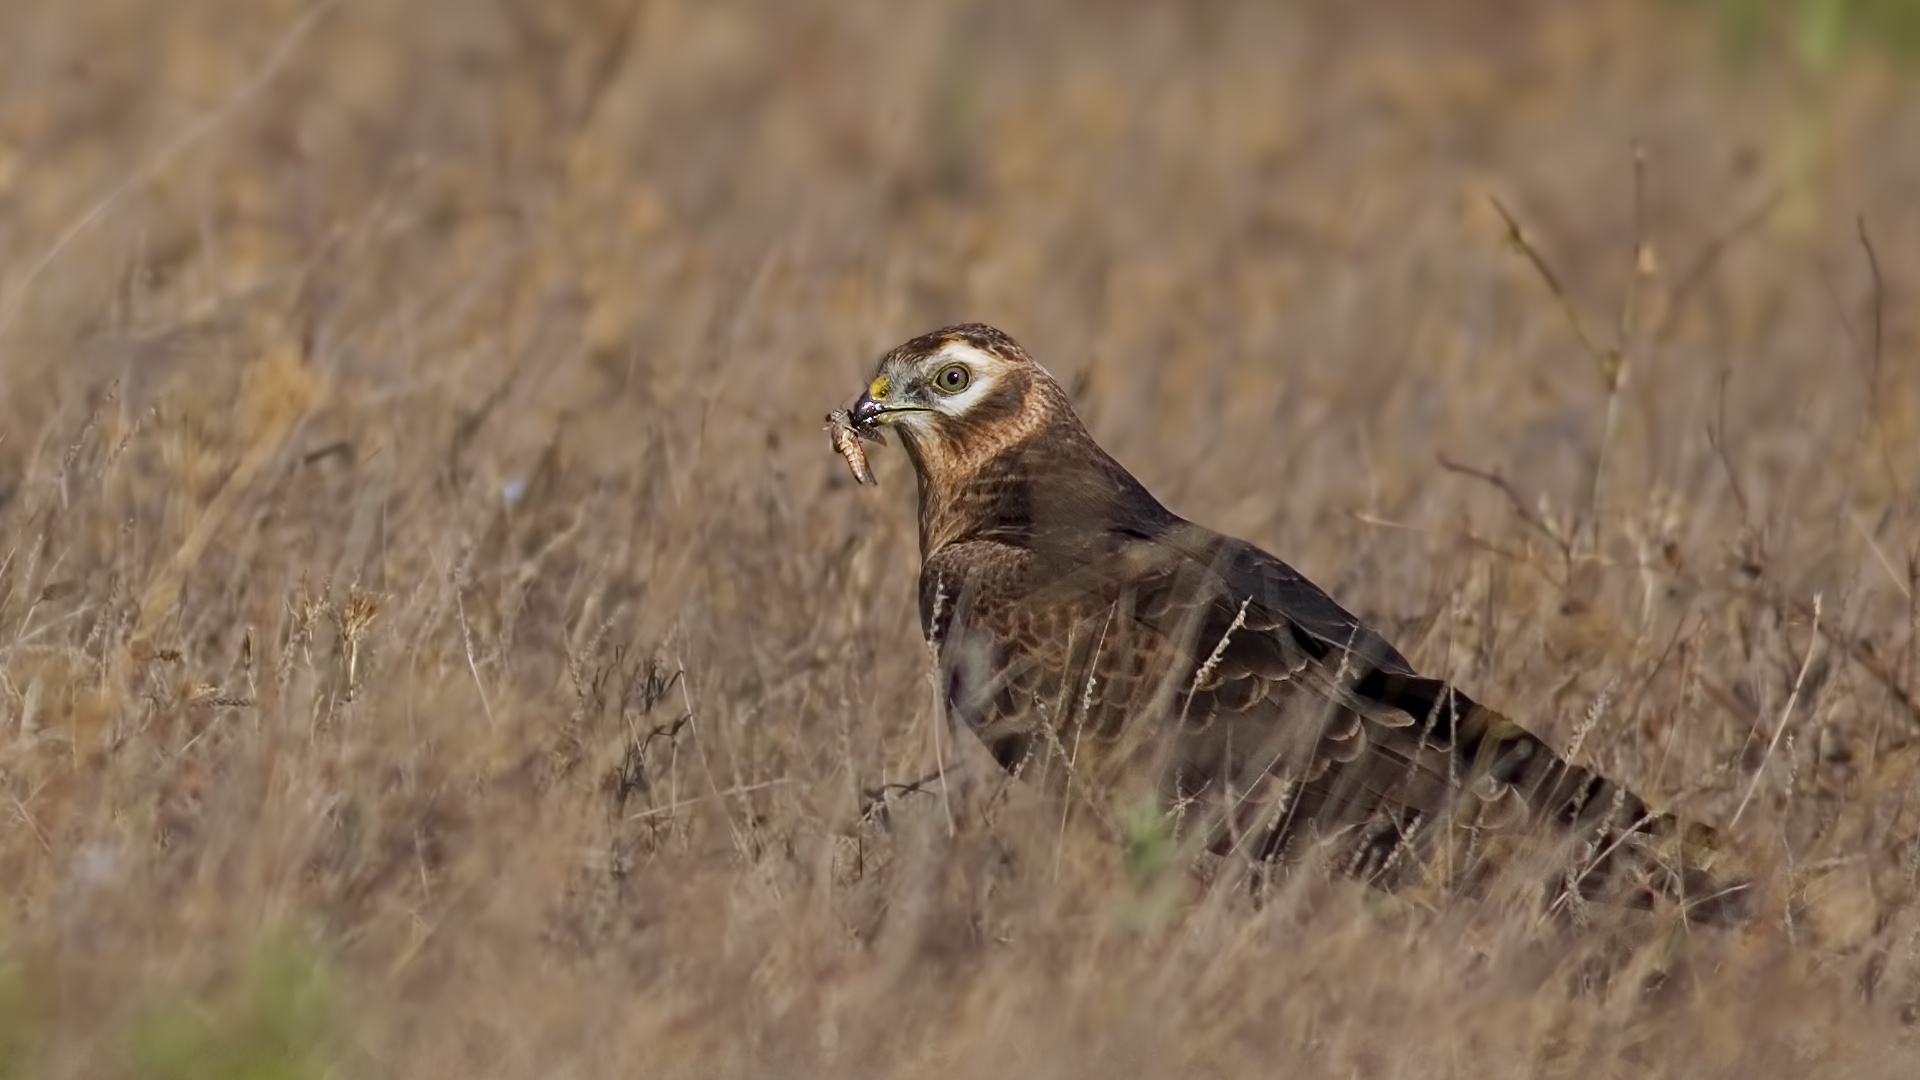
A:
<point x="1100" y="644"/>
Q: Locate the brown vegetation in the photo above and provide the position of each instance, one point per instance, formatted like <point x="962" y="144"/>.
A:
<point x="436" y="639"/>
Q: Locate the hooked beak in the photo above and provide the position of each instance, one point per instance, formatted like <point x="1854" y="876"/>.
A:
<point x="880" y="404"/>
<point x="866" y="412"/>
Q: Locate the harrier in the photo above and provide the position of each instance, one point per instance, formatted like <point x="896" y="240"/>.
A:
<point x="1102" y="645"/>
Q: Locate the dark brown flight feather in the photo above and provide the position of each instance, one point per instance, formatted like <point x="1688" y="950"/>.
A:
<point x="1098" y="643"/>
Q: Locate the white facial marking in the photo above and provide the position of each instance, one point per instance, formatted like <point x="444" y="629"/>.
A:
<point x="982" y="368"/>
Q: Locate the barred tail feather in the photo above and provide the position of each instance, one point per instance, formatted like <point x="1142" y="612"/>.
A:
<point x="1637" y="853"/>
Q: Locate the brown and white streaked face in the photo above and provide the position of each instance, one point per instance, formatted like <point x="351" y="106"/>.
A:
<point x="958" y="396"/>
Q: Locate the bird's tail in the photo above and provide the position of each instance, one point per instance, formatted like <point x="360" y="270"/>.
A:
<point x="1631" y="854"/>
<point x="1637" y="853"/>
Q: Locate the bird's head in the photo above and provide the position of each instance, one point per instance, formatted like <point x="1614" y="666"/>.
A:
<point x="958" y="396"/>
<point x="996" y="447"/>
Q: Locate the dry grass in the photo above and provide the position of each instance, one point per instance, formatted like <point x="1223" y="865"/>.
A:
<point x="437" y="640"/>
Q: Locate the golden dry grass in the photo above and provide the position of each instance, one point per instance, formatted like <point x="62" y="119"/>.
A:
<point x="437" y="640"/>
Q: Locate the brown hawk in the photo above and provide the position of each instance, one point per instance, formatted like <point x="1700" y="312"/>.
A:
<point x="1097" y="641"/>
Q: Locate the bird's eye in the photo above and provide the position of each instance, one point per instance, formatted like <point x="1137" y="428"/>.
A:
<point x="953" y="378"/>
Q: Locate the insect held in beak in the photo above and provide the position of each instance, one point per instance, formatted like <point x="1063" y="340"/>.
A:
<point x="846" y="440"/>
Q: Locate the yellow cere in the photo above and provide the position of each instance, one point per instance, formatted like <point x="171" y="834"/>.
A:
<point x="878" y="391"/>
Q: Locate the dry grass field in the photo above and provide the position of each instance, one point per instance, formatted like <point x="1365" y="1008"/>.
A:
<point x="436" y="639"/>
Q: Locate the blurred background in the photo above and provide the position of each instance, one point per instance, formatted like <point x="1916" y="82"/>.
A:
<point x="437" y="639"/>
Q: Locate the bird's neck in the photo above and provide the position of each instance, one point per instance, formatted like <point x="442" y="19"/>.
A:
<point x="992" y="502"/>
<point x="1055" y="490"/>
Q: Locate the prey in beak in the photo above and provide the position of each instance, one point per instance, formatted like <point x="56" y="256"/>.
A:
<point x="847" y="429"/>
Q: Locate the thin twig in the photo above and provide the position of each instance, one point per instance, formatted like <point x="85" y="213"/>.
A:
<point x="873" y="800"/>
<point x="1614" y="362"/>
<point x="1697" y="272"/>
<point x="1518" y="239"/>
<point x="719" y="793"/>
<point x="608" y="65"/>
<point x="1642" y="265"/>
<point x="1527" y="514"/>
<point x="1860" y="654"/>
<point x="1879" y="293"/>
<point x="1880" y="555"/>
<point x="473" y="666"/>
<point x="1717" y="439"/>
<point x="1871" y="350"/>
<point x="1780" y="727"/>
<point x="1874" y="359"/>
<point x="1610" y="362"/>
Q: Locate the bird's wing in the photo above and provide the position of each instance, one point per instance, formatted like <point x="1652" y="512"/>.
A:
<point x="1251" y="624"/>
<point x="1229" y="674"/>
<point x="1287" y="682"/>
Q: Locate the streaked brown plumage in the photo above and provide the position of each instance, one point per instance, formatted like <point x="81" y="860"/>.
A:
<point x="1098" y="642"/>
